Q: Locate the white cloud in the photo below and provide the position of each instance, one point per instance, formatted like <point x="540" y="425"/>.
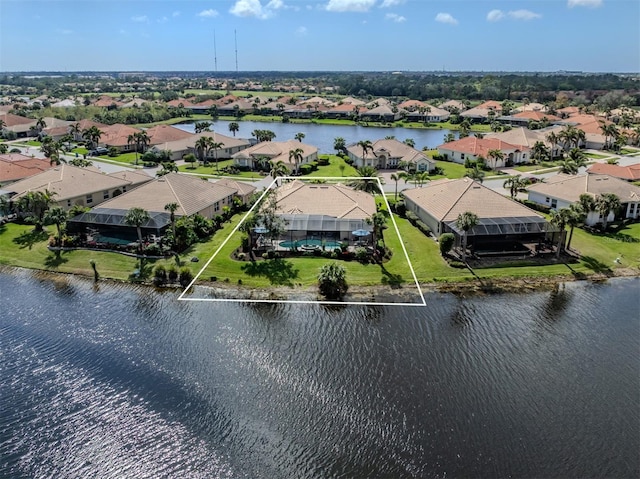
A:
<point x="394" y="17"/>
<point x="495" y="15"/>
<point x="391" y="3"/>
<point x="175" y="14"/>
<point x="254" y="8"/>
<point x="64" y="31"/>
<point x="163" y="20"/>
<point x="350" y="5"/>
<point x="584" y="3"/>
<point x="140" y="19"/>
<point x="301" y="31"/>
<point x="446" y="18"/>
<point x="208" y="13"/>
<point x="524" y="15"/>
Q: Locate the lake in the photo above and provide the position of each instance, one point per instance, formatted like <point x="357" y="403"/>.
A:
<point x="117" y="380"/>
<point x="322" y="136"/>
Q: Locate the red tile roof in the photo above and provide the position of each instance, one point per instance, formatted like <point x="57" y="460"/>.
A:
<point x="629" y="173"/>
<point x="480" y="146"/>
<point x="163" y="133"/>
<point x="14" y="167"/>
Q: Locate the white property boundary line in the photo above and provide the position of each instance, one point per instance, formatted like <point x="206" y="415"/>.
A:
<point x="356" y="303"/>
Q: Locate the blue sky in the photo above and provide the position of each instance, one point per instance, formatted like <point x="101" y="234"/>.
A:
<point x="345" y="35"/>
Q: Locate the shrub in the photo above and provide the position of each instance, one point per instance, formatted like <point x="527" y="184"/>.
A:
<point x="412" y="217"/>
<point x="305" y="169"/>
<point x="446" y="243"/>
<point x="160" y="275"/>
<point x="113" y="151"/>
<point x="423" y="227"/>
<point x="457" y="264"/>
<point x="401" y="208"/>
<point x="172" y="274"/>
<point x="185" y="276"/>
<point x="361" y="254"/>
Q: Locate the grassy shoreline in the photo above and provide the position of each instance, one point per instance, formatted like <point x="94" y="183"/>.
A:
<point x="20" y="247"/>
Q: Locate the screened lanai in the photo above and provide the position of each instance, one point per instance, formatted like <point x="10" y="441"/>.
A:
<point x="504" y="232"/>
<point x="110" y="221"/>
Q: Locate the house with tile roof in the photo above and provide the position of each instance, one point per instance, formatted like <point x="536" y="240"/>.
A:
<point x="389" y="154"/>
<point x="527" y="138"/>
<point x="15" y="167"/>
<point x="190" y="193"/>
<point x="627" y="173"/>
<point x="20" y="125"/>
<point x="523" y="118"/>
<point x="184" y="146"/>
<point x="323" y="211"/>
<point x="160" y="134"/>
<point x="561" y="191"/>
<point x="383" y="112"/>
<point x="275" y="151"/>
<point x="472" y="148"/>
<point x="117" y="136"/>
<point x="502" y="220"/>
<point x="71" y="185"/>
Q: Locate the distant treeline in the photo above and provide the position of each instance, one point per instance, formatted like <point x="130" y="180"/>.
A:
<point x="540" y="87"/>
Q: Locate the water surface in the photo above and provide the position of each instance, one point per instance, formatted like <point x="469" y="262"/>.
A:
<point x="121" y="381"/>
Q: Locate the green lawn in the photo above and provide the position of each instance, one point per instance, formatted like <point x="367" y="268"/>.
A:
<point x="210" y="170"/>
<point x="125" y="158"/>
<point x="333" y="168"/>
<point x="451" y="170"/>
<point x="596" y="156"/>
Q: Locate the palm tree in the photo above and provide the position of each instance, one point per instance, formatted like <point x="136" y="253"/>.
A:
<point x="475" y="173"/>
<point x="75" y="131"/>
<point x="466" y="222"/>
<point x="514" y="184"/>
<point x="449" y="137"/>
<point x="410" y="142"/>
<point x="201" y="126"/>
<point x="141" y="139"/>
<point x="496" y="155"/>
<point x="553" y="139"/>
<point x="587" y="203"/>
<point x="299" y="137"/>
<point x="396" y="177"/>
<point x="215" y="146"/>
<point x="575" y="217"/>
<point x="278" y="169"/>
<point x="234" y="127"/>
<point x="36" y="204"/>
<point x="366" y="146"/>
<point x="369" y="181"/>
<point x="92" y="135"/>
<point x="340" y="146"/>
<point x="172" y="208"/>
<point x="559" y="220"/>
<point x="295" y="157"/>
<point x="605" y="204"/>
<point x="51" y="149"/>
<point x="379" y="222"/>
<point x="40" y="124"/>
<point x="56" y="216"/>
<point x="137" y="217"/>
<point x="332" y="281"/>
<point x="539" y="152"/>
<point x="202" y="147"/>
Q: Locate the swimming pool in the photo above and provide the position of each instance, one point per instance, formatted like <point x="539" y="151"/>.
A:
<point x="311" y="244"/>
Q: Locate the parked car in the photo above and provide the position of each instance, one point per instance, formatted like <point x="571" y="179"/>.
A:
<point x="99" y="151"/>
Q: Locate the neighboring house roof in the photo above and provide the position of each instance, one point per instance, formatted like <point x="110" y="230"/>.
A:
<point x="180" y="101"/>
<point x="382" y="110"/>
<point x="190" y="141"/>
<point x="243" y="188"/>
<point x="446" y="199"/>
<point x="352" y="101"/>
<point x="535" y="115"/>
<point x="531" y="107"/>
<point x="117" y="135"/>
<point x="521" y="136"/>
<point x="11" y="120"/>
<point x="106" y="101"/>
<point x="453" y="104"/>
<point x="64" y="103"/>
<point x="68" y="181"/>
<point x="336" y="200"/>
<point x="569" y="110"/>
<point x="134" y="177"/>
<point x="570" y="187"/>
<point x="276" y="151"/>
<point x="478" y="112"/>
<point x="191" y="193"/>
<point x="491" y="105"/>
<point x="629" y="172"/>
<point x="164" y="133"/>
<point x="15" y="167"/>
<point x="317" y="100"/>
<point x="392" y="148"/>
<point x="479" y="146"/>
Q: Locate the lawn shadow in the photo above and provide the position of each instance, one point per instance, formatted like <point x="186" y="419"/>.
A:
<point x="144" y="270"/>
<point x="30" y="238"/>
<point x="391" y="279"/>
<point x="596" y="265"/>
<point x="278" y="271"/>
<point x="54" y="260"/>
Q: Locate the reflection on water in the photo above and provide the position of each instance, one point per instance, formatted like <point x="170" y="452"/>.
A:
<point x="122" y="381"/>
